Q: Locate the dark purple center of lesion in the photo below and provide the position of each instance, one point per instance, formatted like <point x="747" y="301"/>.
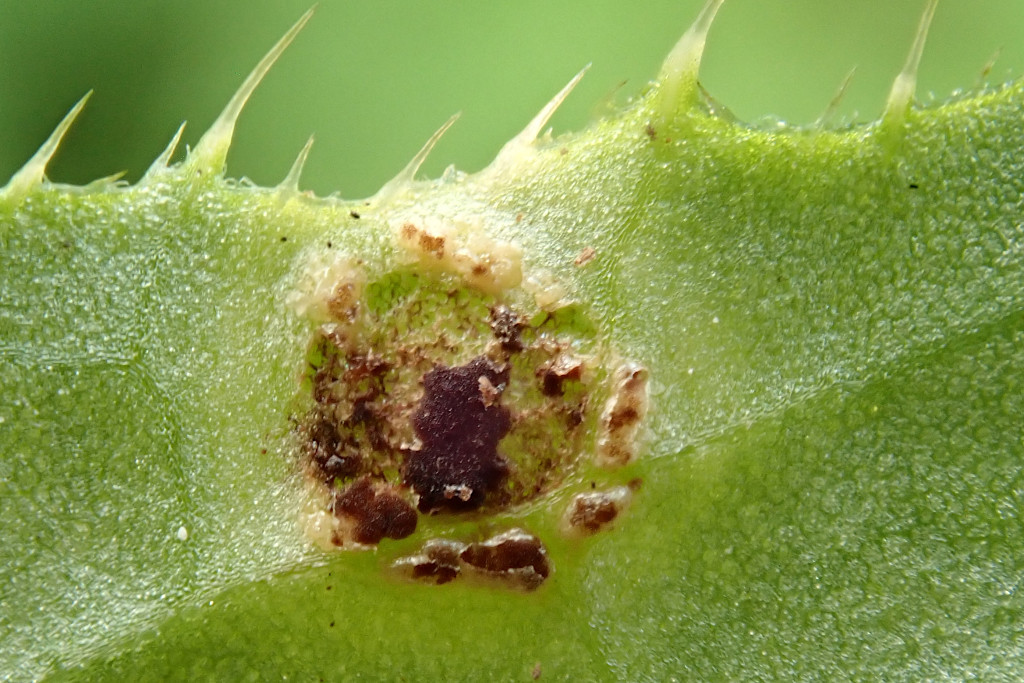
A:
<point x="459" y="424"/>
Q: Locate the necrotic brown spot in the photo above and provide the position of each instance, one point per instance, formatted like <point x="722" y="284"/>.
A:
<point x="376" y="514"/>
<point x="513" y="554"/>
<point x="439" y="562"/>
<point x="554" y="375"/>
<point x="593" y="511"/>
<point x="585" y="256"/>
<point x="593" y="514"/>
<point x="514" y="558"/>
<point x="460" y="429"/>
<point x="622" y="416"/>
<point x="325" y="448"/>
<point x="507" y="326"/>
<point x="432" y="244"/>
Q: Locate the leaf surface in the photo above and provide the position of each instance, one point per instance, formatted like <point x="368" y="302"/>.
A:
<point x="833" y="325"/>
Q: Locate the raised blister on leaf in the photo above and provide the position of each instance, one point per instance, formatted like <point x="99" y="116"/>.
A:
<point x="435" y="382"/>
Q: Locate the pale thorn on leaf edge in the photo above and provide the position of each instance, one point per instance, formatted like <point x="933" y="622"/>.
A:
<point x="837" y="99"/>
<point x="678" y="90"/>
<point x="525" y="140"/>
<point x="211" y="151"/>
<point x="32" y="174"/>
<point x="406" y="176"/>
<point x="98" y="185"/>
<point x="679" y="72"/>
<point x="290" y="184"/>
<point x="162" y="162"/>
<point x="987" y="68"/>
<point x="104" y="184"/>
<point x="902" y="93"/>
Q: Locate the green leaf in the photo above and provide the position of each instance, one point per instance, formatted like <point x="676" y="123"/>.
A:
<point x="831" y="319"/>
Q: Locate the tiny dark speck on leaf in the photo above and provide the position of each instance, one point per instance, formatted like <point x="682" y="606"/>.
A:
<point x="913" y="186"/>
<point x="284" y="239"/>
<point x="354" y="214"/>
<point x="507" y="327"/>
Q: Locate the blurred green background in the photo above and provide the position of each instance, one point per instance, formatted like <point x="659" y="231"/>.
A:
<point x="372" y="80"/>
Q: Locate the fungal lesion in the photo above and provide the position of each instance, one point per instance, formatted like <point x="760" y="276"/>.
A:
<point x="623" y="414"/>
<point x="463" y="249"/>
<point x="432" y="389"/>
<point x="593" y="511"/>
<point x="514" y="558"/>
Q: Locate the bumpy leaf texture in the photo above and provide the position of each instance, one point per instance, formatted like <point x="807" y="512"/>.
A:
<point x="831" y="469"/>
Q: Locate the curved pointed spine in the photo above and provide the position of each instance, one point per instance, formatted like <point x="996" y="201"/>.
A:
<point x="987" y="68"/>
<point x="104" y="184"/>
<point x="290" y="184"/>
<point x="406" y="176"/>
<point x="528" y="136"/>
<point x="901" y="95"/>
<point x="32" y="174"/>
<point x="833" y="104"/>
<point x="161" y="163"/>
<point x="211" y="151"/>
<point x="678" y="77"/>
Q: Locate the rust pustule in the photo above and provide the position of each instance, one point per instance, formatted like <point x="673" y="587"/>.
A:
<point x="623" y="413"/>
<point x="437" y="563"/>
<point x="373" y="512"/>
<point x="326" y="451"/>
<point x="459" y="425"/>
<point x="553" y="375"/>
<point x="507" y="326"/>
<point x="595" y="511"/>
<point x="436" y="388"/>
<point x="514" y="558"/>
<point x="514" y="553"/>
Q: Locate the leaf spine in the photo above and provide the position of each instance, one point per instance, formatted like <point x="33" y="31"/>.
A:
<point x="211" y="151"/>
<point x="679" y="90"/>
<point x="527" y="138"/>
<point x="406" y="176"/>
<point x="160" y="164"/>
<point x="290" y="184"/>
<point x="901" y="95"/>
<point x="33" y="173"/>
